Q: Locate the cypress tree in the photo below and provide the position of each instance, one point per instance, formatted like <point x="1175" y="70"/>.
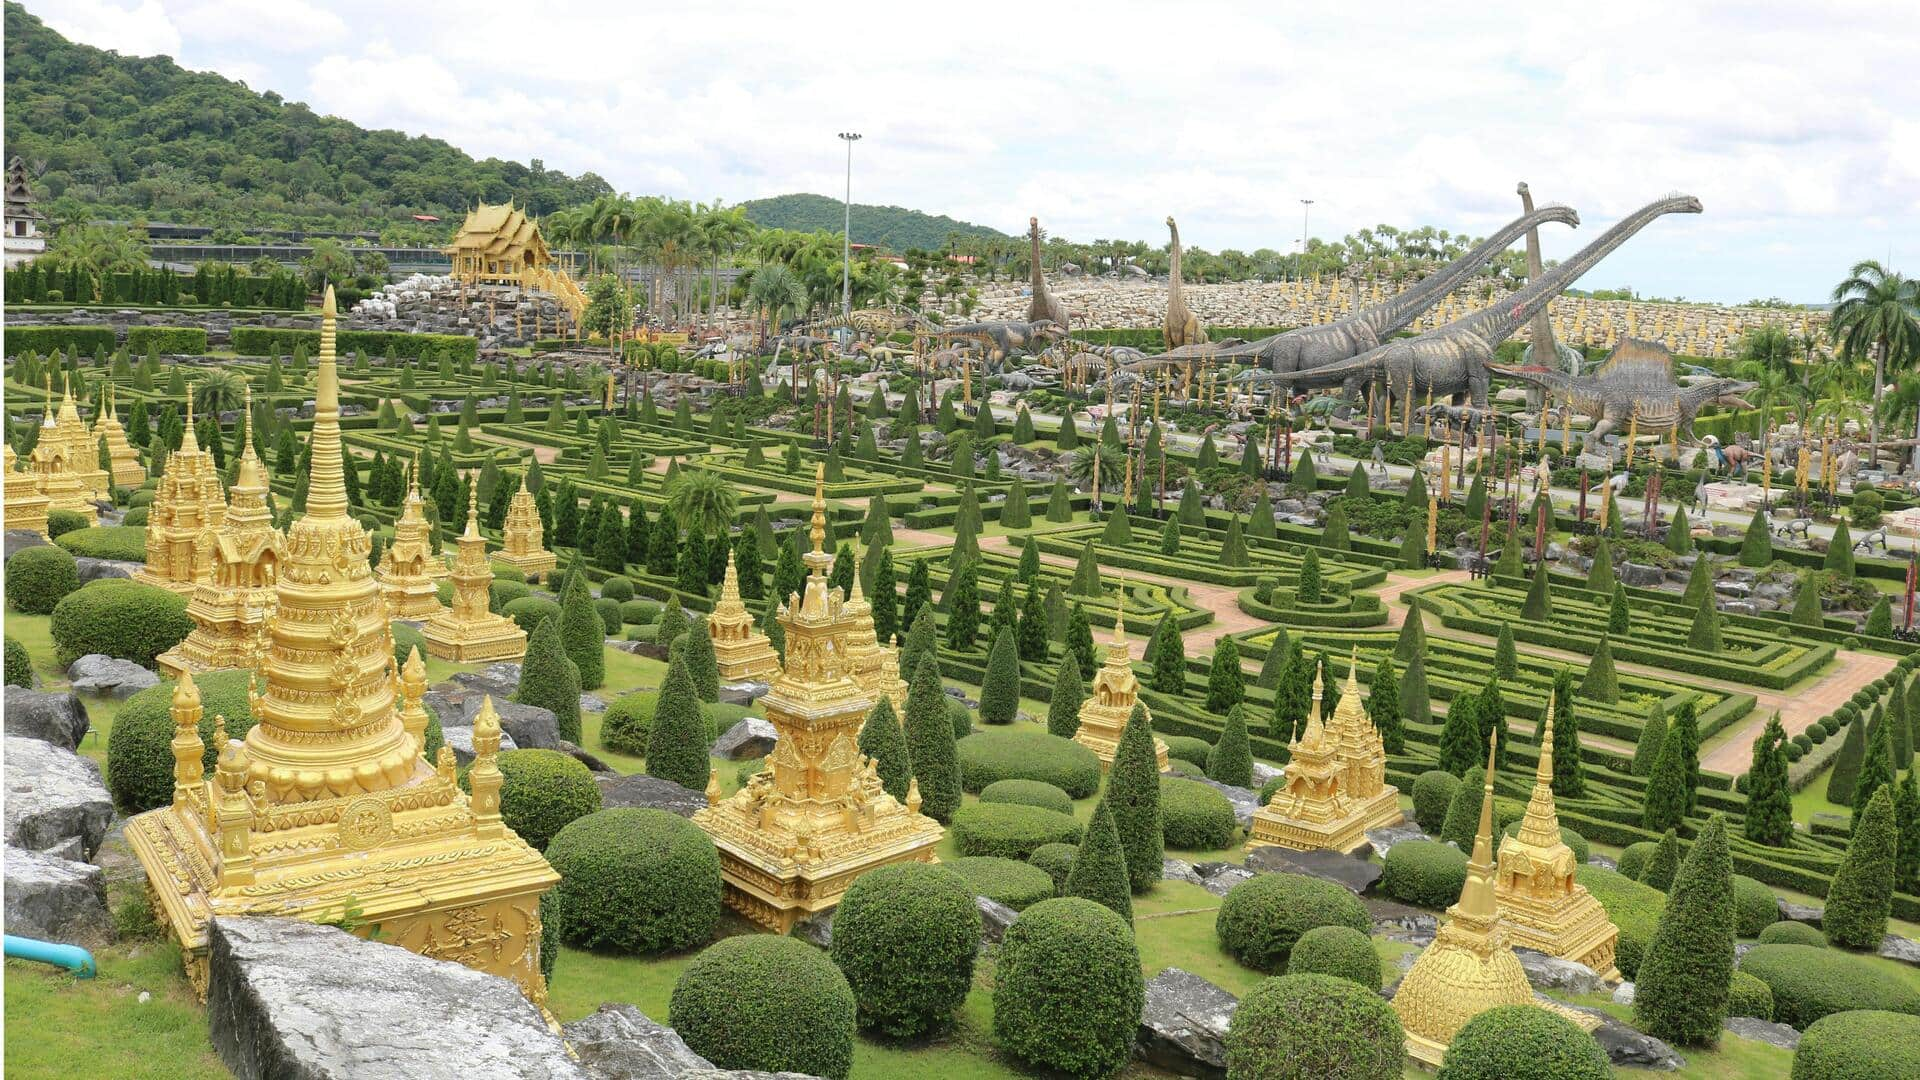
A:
<point x="1119" y="532"/>
<point x="1510" y="564"/>
<point x="1000" y="689"/>
<point x="702" y="665"/>
<point x="1067" y="436"/>
<point x="1032" y="631"/>
<point x="1416" y="496"/>
<point x="1569" y="770"/>
<point x="549" y="680"/>
<point x="1383" y="707"/>
<point x="1168" y="654"/>
<point x="677" y="744"/>
<point x="1225" y="685"/>
<point x="1538" y="606"/>
<point x="1900" y="709"/>
<point x="1686" y="723"/>
<point x="1463" y="810"/>
<point x="1133" y="790"/>
<point x="919" y="593"/>
<point x="1274" y="662"/>
<point x="1906" y="813"/>
<point x="583" y="632"/>
<point x="882" y="740"/>
<point x="1653" y="733"/>
<point x="1335" y="535"/>
<point x="920" y="643"/>
<point x="1099" y="871"/>
<point x="1806" y="604"/>
<point x="1015" y="512"/>
<point x="1170" y="537"/>
<point x="1664" y="863"/>
<point x="1307" y="588"/>
<point x="1617" y="621"/>
<point x="1769" y="818"/>
<point x="1705" y="632"/>
<point x="1493" y="720"/>
<point x="1069" y="693"/>
<point x="1756" y="547"/>
<point x="1412" y="641"/>
<point x="1208" y="456"/>
<point x="1880" y="619"/>
<point x="1506" y="659"/>
<point x="1600" y="683"/>
<point x="1086" y="574"/>
<point x="1840" y="552"/>
<point x="936" y="765"/>
<point x="1460" y="742"/>
<point x="1233" y="549"/>
<point x="1666" y="803"/>
<point x="1190" y="512"/>
<point x="1682" y="984"/>
<point x="1022" y="425"/>
<point x="1250" y="459"/>
<point x="1056" y="605"/>
<point x="1304" y="478"/>
<point x="1231" y="759"/>
<point x="1679" y="538"/>
<point x="1006" y="613"/>
<point x="1876" y="771"/>
<point x="1600" y="577"/>
<point x="1260" y="517"/>
<point x="1059" y="503"/>
<point x="963" y="609"/>
<point x="1416" y="706"/>
<point x="1699" y="581"/>
<point x="1413" y="548"/>
<point x="1862" y="892"/>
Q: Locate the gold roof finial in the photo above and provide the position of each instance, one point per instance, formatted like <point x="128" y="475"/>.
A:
<point x="817" y="528"/>
<point x="1352" y="689"/>
<point x="327" y="483"/>
<point x="185" y="694"/>
<point x="1476" y="896"/>
<point x="473" y="506"/>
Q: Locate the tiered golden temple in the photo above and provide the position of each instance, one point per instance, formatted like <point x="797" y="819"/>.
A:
<point x="1336" y="785"/>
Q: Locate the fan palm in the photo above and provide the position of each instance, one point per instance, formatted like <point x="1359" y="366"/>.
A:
<point x="703" y="503"/>
<point x="219" y="391"/>
<point x="1096" y="465"/>
<point x="1877" y="309"/>
<point x="773" y="291"/>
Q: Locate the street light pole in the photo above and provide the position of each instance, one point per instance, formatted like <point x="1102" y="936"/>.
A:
<point x="846" y="236"/>
<point x="1306" y="208"/>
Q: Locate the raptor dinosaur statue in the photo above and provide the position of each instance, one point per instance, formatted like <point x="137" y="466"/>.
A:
<point x="1454" y="359"/>
<point x="1309" y="347"/>
<point x="1182" y="328"/>
<point x="1043" y="305"/>
<point x="1634" y="383"/>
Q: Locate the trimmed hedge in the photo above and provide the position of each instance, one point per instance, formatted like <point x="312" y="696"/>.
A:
<point x="989" y="756"/>
<point x="1028" y="793"/>
<point x="119" y="617"/>
<point x="542" y="791"/>
<point x="766" y="1003"/>
<point x="182" y="340"/>
<point x="1432" y="791"/>
<point x="275" y="341"/>
<point x="1754" y="907"/>
<point x="1010" y="830"/>
<point x="1315" y="1026"/>
<point x="1015" y="884"/>
<point x="1869" y="1044"/>
<point x="1424" y="873"/>
<point x="1057" y="861"/>
<point x="906" y="936"/>
<point x="1524" y="1042"/>
<point x="1262" y="918"/>
<point x="1635" y="856"/>
<point x="1340" y="951"/>
<point x="1810" y="983"/>
<point x="635" y="880"/>
<point x="140" y="747"/>
<point x="1195" y="817"/>
<point x="528" y="611"/>
<point x="1748" y="996"/>
<point x="127" y="543"/>
<point x="1067" y="988"/>
<point x="45" y="339"/>
<point x="1187" y="747"/>
<point x="39" y="577"/>
<point x="1634" y="908"/>
<point x="62" y="522"/>
<point x="1788" y="932"/>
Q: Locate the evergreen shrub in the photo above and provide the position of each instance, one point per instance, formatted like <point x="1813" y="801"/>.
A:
<point x="1315" y="1026"/>
<point x="635" y="880"/>
<point x="1869" y="1044"/>
<point x="906" y="937"/>
<point x="541" y="792"/>
<point x="1010" y="830"/>
<point x="119" y="617"/>
<point x="1424" y="873"/>
<point x="1015" y="884"/>
<point x="768" y="1004"/>
<point x="38" y="577"/>
<point x="1016" y="754"/>
<point x="1068" y="989"/>
<point x="1262" y="918"/>
<point x="140" y="747"/>
<point x="1195" y="817"/>
<point x="1809" y="983"/>
<point x="1524" y="1042"/>
<point x="1028" y="793"/>
<point x="1340" y="951"/>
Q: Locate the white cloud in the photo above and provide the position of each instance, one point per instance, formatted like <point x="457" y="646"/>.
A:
<point x="136" y="28"/>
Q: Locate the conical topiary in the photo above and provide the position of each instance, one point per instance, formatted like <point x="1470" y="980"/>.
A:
<point x="677" y="743"/>
<point x="1231" y="759"/>
<point x="882" y="740"/>
<point x="1099" y="870"/>
<point x="1133" y="790"/>
<point x="1681" y="987"/>
<point x="1069" y="693"/>
<point x="930" y="749"/>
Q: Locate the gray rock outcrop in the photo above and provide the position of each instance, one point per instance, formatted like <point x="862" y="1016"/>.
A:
<point x="459" y="739"/>
<point x="1766" y="1031"/>
<point x="1625" y="1046"/>
<point x="57" y="718"/>
<point x="107" y="676"/>
<point x="648" y="791"/>
<point x="1553" y="973"/>
<point x="1245" y="800"/>
<point x="1354" y="875"/>
<point x="753" y="737"/>
<point x="53" y="796"/>
<point x="56" y="899"/>
<point x="1183" y="1025"/>
<point x="619" y="1042"/>
<point x="91" y="569"/>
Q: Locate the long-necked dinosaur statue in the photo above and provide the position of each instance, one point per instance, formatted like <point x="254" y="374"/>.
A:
<point x="1636" y="382"/>
<point x="1044" y="305"/>
<point x="1542" y="326"/>
<point x="1453" y="359"/>
<point x="1310" y="347"/>
<point x="1182" y="328"/>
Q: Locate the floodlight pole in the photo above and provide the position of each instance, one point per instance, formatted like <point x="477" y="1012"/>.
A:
<point x="846" y="235"/>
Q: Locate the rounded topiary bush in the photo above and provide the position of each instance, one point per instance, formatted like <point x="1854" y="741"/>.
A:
<point x="119" y="617"/>
<point x="609" y="612"/>
<point x="1272" y="785"/>
<point x="1424" y="873"/>
<point x="1748" y="996"/>
<point x="1017" y="754"/>
<point x="1262" y="918"/>
<point x="1015" y="884"/>
<point x="541" y="792"/>
<point x="628" y="723"/>
<point x="19" y="666"/>
<point x="1315" y="1026"/>
<point x="1067" y="988"/>
<point x="527" y="612"/>
<point x="1027" y="793"/>
<point x="1574" y="841"/>
<point x="503" y="592"/>
<point x="766" y="1003"/>
<point x="1340" y="951"/>
<point x="62" y="522"/>
<point x="617" y="589"/>
<point x="1633" y="907"/>
<point x="1057" y="861"/>
<point x="38" y="577"/>
<point x="1432" y="791"/>
<point x="1010" y="830"/>
<point x="1183" y="768"/>
<point x="138" y="515"/>
<point x="125" y="543"/>
<point x="1524" y="1042"/>
<point x="1809" y="983"/>
<point x="1186" y="747"/>
<point x="635" y="880"/>
<point x="1788" y="932"/>
<point x="1195" y="817"/>
<point x="639" y="612"/>
<point x="960" y="717"/>
<point x="1869" y="1044"/>
<point x="1754" y="906"/>
<point x="906" y="936"/>
<point x="508" y="572"/>
<point x="1634" y="857"/>
<point x="140" y="747"/>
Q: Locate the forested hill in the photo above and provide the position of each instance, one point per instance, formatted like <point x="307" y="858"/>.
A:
<point x="889" y="226"/>
<point x="140" y="137"/>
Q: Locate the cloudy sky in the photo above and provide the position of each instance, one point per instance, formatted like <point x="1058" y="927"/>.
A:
<point x="1798" y="125"/>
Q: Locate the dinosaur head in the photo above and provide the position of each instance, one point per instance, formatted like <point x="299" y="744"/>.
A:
<point x="1170" y="221"/>
<point x="1729" y="393"/>
<point x="1047" y="330"/>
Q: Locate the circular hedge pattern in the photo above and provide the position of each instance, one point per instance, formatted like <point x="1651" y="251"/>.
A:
<point x="140" y="747"/>
<point x="1524" y="1042"/>
<point x="1195" y="817"/>
<point x="1057" y="861"/>
<point x="1010" y="830"/>
<point x="906" y="937"/>
<point x="1262" y="918"/>
<point x="1754" y="906"/>
<point x="1788" y="932"/>
<point x="1748" y="996"/>
<point x="1574" y="841"/>
<point x="1809" y="983"/>
<point x="1003" y="754"/>
<point x="124" y="543"/>
<point x="1432" y="791"/>
<point x="760" y="1002"/>
<point x="635" y="880"/>
<point x="1869" y="1044"/>
<point x="38" y="577"/>
<point x="1027" y="793"/>
<point x="1340" y="951"/>
<point x="1315" y="1026"/>
<point x="1067" y="988"/>
<point x="1015" y="884"/>
<point x="541" y="792"/>
<point x="1424" y="873"/>
<point x="119" y="617"/>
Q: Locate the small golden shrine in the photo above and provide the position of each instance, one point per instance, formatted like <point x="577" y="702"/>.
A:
<point x="1543" y="906"/>
<point x="326" y="807"/>
<point x="26" y="508"/>
<point x="1110" y="701"/>
<point x="468" y="632"/>
<point x="876" y="667"/>
<point x="801" y="831"/>
<point x="188" y="507"/>
<point x="230" y="609"/>
<point x="521" y="537"/>
<point x="1470" y="967"/>
<point x="66" y="463"/>
<point x="1336" y="785"/>
<point x="409" y="571"/>
<point x="498" y="244"/>
<point x="744" y="653"/>
<point x="127" y="472"/>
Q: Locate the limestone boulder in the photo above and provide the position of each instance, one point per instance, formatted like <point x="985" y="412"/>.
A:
<point x="1179" y="870"/>
<point x="500" y="680"/>
<point x="1354" y="875"/>
<point x="101" y="569"/>
<point x="1383" y="840"/>
<point x="1641" y="575"/>
<point x="1812" y="916"/>
<point x="57" y="718"/>
<point x="995" y="917"/>
<point x="107" y="676"/>
<point x="20" y="540"/>
<point x="1766" y="1031"/>
<point x="1245" y="801"/>
<point x="53" y="796"/>
<point x="753" y="737"/>
<point x="650" y="792"/>
<point x="1547" y="972"/>
<point x="1625" y="1046"/>
<point x="584" y="756"/>
<point x="56" y="899"/>
<point x="1904" y="949"/>
<point x="619" y="1042"/>
<point x="290" y="999"/>
<point x="1219" y="878"/>
<point x="1183" y="1025"/>
<point x="460" y="740"/>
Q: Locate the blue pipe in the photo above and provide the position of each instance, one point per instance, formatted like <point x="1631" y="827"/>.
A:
<point x="72" y="957"/>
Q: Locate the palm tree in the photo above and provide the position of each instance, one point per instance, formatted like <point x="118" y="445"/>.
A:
<point x="218" y="391"/>
<point x="703" y="503"/>
<point x="1097" y="465"/>
<point x="1877" y="308"/>
<point x="1768" y="344"/>
<point x="772" y="291"/>
<point x="1773" y="385"/>
<point x="95" y="250"/>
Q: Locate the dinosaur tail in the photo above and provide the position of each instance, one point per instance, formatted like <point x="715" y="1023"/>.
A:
<point x="1332" y="374"/>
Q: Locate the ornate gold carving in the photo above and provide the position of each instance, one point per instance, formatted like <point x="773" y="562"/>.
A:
<point x="365" y="823"/>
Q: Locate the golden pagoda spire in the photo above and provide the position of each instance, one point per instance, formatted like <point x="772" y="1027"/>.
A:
<point x="248" y="475"/>
<point x="818" y="558"/>
<point x="1476" y="896"/>
<point x="326" y="481"/>
<point x="191" y="445"/>
<point x="1541" y="826"/>
<point x="473" y="506"/>
<point x="1315" y="732"/>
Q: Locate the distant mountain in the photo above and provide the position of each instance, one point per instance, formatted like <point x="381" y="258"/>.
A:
<point x="892" y="227"/>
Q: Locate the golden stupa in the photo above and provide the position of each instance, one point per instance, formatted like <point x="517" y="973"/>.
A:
<point x="230" y="609"/>
<point x="521" y="536"/>
<point x="876" y="667"/>
<point x="409" y="571"/>
<point x="127" y="472"/>
<point x="744" y="653"/>
<point x="26" y="508"/>
<point x="468" y="632"/>
<point x="1336" y="785"/>
<point x="1543" y="906"/>
<point x="188" y="507"/>
<point x="801" y="831"/>
<point x="65" y="463"/>
<point x="327" y="807"/>
<point x="1110" y="701"/>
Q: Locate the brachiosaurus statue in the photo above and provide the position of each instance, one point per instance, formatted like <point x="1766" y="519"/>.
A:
<point x="1453" y="359"/>
<point x="1542" y="326"/>
<point x="1182" y="328"/>
<point x="1044" y="304"/>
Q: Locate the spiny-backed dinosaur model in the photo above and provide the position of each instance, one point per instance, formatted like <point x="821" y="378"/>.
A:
<point x="1453" y="359"/>
<point x="1002" y="337"/>
<point x="1635" y="380"/>
<point x="1310" y="347"/>
<point x="1044" y="305"/>
<point x="1182" y="328"/>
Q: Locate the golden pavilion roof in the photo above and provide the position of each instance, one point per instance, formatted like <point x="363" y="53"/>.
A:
<point x="501" y="232"/>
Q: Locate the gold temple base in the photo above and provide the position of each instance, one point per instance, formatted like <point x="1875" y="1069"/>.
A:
<point x="408" y="604"/>
<point x="1105" y="748"/>
<point x="499" y="638"/>
<point x="1429" y="1054"/>
<point x="147" y="577"/>
<point x="1346" y="834"/>
<point x="1578" y="930"/>
<point x="776" y="892"/>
